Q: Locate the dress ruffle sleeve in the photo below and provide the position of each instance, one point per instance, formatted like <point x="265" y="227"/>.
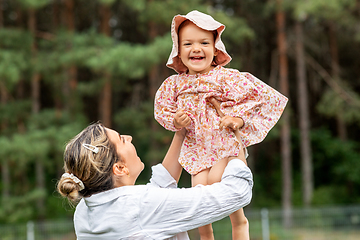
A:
<point x="165" y="105"/>
<point x="259" y="105"/>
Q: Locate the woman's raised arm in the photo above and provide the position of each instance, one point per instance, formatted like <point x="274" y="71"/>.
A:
<point x="170" y="161"/>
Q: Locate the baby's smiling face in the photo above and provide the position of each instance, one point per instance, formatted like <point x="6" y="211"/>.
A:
<point x="196" y="48"/>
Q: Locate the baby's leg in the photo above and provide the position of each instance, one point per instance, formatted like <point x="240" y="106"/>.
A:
<point x="239" y="223"/>
<point x="205" y="232"/>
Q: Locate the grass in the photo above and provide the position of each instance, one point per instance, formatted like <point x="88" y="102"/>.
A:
<point x="222" y="231"/>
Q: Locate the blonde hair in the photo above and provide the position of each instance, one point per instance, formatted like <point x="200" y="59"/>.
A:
<point x="93" y="169"/>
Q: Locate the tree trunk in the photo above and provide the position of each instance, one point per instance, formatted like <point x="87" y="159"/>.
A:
<point x="5" y="171"/>
<point x="154" y="84"/>
<point x="285" y="128"/>
<point x="20" y="88"/>
<point x="72" y="71"/>
<point x="105" y="101"/>
<point x="56" y="14"/>
<point x="106" y="94"/>
<point x="5" y="176"/>
<point x="5" y="180"/>
<point x="305" y="145"/>
<point x="35" y="79"/>
<point x="1" y="14"/>
<point x="335" y="69"/>
<point x="35" y="95"/>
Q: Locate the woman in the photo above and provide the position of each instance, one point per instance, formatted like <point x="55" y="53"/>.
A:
<point x="101" y="167"/>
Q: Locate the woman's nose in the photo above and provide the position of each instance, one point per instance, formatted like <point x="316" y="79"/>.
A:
<point x="127" y="138"/>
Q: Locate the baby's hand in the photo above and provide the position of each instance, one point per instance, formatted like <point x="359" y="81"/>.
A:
<point x="232" y="122"/>
<point x="226" y="121"/>
<point x="181" y="119"/>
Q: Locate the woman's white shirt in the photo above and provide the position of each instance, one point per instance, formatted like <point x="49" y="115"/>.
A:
<point x="160" y="210"/>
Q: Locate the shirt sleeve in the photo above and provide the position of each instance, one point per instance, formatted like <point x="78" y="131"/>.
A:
<point x="161" y="177"/>
<point x="165" y="105"/>
<point x="259" y="105"/>
<point x="165" y="212"/>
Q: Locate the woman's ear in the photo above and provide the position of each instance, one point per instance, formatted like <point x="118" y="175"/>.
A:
<point x="120" y="169"/>
<point x="216" y="52"/>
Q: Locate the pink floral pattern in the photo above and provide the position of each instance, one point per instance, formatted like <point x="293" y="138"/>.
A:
<point x="241" y="95"/>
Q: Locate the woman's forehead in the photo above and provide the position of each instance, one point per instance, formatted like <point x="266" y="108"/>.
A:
<point x="112" y="134"/>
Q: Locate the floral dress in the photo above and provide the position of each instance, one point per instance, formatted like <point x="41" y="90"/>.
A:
<point x="241" y="95"/>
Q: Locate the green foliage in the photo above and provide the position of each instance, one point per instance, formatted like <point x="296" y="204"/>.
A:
<point x="349" y="167"/>
<point x="14" y="112"/>
<point x="329" y="195"/>
<point x="44" y="142"/>
<point x="130" y="60"/>
<point x="12" y="65"/>
<point x="326" y="9"/>
<point x="237" y="29"/>
<point x="33" y="4"/>
<point x="14" y="56"/>
<point x="346" y="106"/>
<point x="160" y="11"/>
<point x="101" y="54"/>
<point x="137" y="127"/>
<point x="336" y="165"/>
<point x="20" y="208"/>
<point x="15" y="39"/>
<point x="69" y="49"/>
<point x="139" y="5"/>
<point x="106" y="2"/>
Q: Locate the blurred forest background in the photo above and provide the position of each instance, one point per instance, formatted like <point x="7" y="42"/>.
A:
<point x="67" y="63"/>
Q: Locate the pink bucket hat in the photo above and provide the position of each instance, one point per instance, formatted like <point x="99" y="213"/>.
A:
<point x="205" y="22"/>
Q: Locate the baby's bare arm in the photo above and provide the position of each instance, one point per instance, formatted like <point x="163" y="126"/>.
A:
<point x="236" y="124"/>
<point x="231" y="122"/>
<point x="214" y="174"/>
